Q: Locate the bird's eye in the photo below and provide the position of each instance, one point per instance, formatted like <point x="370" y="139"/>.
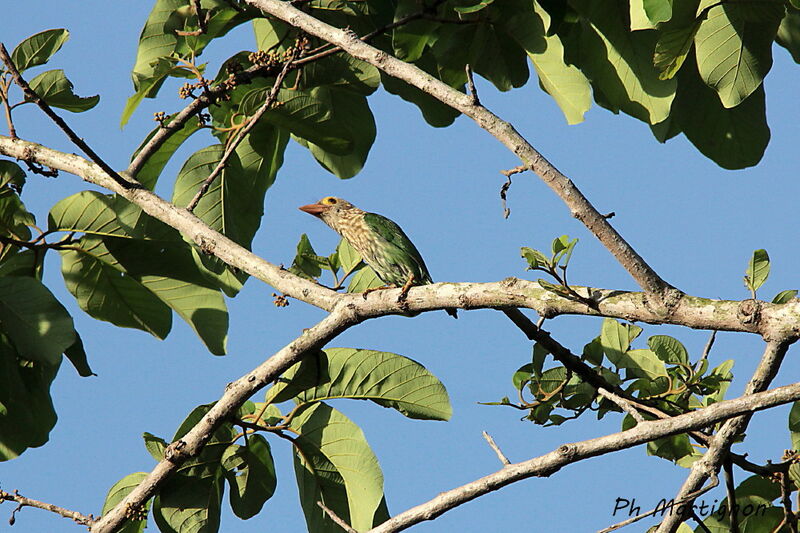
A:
<point x="329" y="200"/>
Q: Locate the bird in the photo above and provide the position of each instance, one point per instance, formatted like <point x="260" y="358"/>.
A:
<point x="382" y="244"/>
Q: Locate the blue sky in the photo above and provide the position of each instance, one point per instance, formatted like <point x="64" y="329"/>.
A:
<point x="695" y="223"/>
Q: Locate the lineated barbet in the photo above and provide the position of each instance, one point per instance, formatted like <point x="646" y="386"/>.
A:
<point x="381" y="243"/>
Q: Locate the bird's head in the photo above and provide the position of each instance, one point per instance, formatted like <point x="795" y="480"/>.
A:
<point x="329" y="208"/>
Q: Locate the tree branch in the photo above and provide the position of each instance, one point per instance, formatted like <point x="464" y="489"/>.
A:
<point x="548" y="464"/>
<point x="721" y="442"/>
<point x="236" y="393"/>
<point x="27" y="502"/>
<point x="661" y="296"/>
<point x="766" y="319"/>
<point x="71" y="135"/>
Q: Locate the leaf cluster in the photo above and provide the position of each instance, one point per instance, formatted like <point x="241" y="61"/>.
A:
<point x="332" y="460"/>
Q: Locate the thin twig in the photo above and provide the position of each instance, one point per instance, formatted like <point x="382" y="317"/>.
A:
<point x="333" y="516"/>
<point x="706" y="349"/>
<point x="730" y="489"/>
<point x="76" y="140"/>
<point x="634" y="519"/>
<point x="496" y="448"/>
<point x="471" y="86"/>
<point x="28" y="502"/>
<point x="789" y="518"/>
<point x="622" y="403"/>
<point x="5" y="83"/>
<point x="238" y="138"/>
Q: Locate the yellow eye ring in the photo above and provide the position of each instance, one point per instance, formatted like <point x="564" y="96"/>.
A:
<point x="328" y="200"/>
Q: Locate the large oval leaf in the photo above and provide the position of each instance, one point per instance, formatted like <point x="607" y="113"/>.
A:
<point x="335" y="465"/>
<point x="385" y="378"/>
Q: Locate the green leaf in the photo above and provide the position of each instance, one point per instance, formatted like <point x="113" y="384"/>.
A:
<point x="202" y="308"/>
<point x="433" y="111"/>
<point x="784" y="296"/>
<point x="642" y="363"/>
<point x="387" y="379"/>
<point x="471" y="6"/>
<point x="158" y="39"/>
<point x="671" y="50"/>
<point x="107" y="293"/>
<point x="226" y="206"/>
<point x="304" y="264"/>
<point x="364" y="279"/>
<point x="38" y="49"/>
<point x="568" y="86"/>
<point x="162" y="68"/>
<point x="77" y="356"/>
<point x="348" y="257"/>
<point x="757" y="270"/>
<point x="86" y="212"/>
<point x="341" y="72"/>
<point x="668" y="349"/>
<point x="155" y="445"/>
<point x="794" y="425"/>
<point x="169" y="271"/>
<point x="271" y="33"/>
<point x="35" y="322"/>
<point x="558" y="290"/>
<point x="151" y="170"/>
<point x="789" y="33"/>
<point x="11" y="174"/>
<point x="250" y="472"/>
<point x="658" y="10"/>
<point x="734" y="46"/>
<point x="671" y="448"/>
<point x="26" y="409"/>
<point x="615" y="339"/>
<point x="335" y="465"/>
<point x="620" y="62"/>
<point x="188" y="504"/>
<point x="26" y="263"/>
<point x="487" y="48"/>
<point x="353" y="119"/>
<point x="593" y="352"/>
<point x="535" y="258"/>
<point x="118" y="492"/>
<point x="733" y="138"/>
<point x="14" y="217"/>
<point x="54" y="88"/>
<point x="638" y="16"/>
<point x="522" y="376"/>
<point x="306" y="114"/>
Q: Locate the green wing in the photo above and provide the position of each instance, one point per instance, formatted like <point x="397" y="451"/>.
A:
<point x="400" y="247"/>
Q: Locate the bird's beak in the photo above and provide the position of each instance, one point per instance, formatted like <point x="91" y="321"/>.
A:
<point x="313" y="209"/>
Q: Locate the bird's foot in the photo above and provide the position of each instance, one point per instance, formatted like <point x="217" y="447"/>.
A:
<point x="373" y="289"/>
<point x="404" y="292"/>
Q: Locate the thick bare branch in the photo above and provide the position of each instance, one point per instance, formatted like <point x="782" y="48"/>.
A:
<point x="548" y="464"/>
<point x="721" y="443"/>
<point x="661" y="295"/>
<point x="766" y="319"/>
<point x="236" y="393"/>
